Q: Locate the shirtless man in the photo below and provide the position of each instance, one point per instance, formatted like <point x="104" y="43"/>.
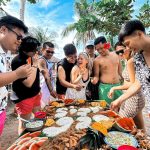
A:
<point x="107" y="69"/>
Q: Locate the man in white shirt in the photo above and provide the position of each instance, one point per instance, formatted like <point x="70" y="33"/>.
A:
<point x="12" y="31"/>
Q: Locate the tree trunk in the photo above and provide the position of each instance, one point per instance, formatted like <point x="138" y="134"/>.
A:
<point x="22" y="9"/>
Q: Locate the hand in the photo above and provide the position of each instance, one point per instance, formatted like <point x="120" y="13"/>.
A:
<point x="94" y="80"/>
<point x="78" y="87"/>
<point x="111" y="93"/>
<point x="115" y="105"/>
<point x="35" y="60"/>
<point x="23" y="71"/>
<point x="53" y="93"/>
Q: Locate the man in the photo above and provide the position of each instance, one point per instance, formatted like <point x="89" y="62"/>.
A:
<point x="64" y="69"/>
<point x="133" y="36"/>
<point x="12" y="31"/>
<point x="46" y="68"/>
<point x="91" y="90"/>
<point x="90" y="49"/>
<point x="107" y="70"/>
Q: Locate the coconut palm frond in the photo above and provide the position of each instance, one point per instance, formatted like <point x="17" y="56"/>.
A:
<point x="43" y="35"/>
<point x="67" y="30"/>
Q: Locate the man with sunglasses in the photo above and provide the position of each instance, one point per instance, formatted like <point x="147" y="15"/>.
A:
<point x="64" y="70"/>
<point x="12" y="31"/>
<point x="46" y="67"/>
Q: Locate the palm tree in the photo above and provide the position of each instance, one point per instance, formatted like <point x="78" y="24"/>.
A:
<point x="84" y="30"/>
<point x="43" y="35"/>
<point x="2" y="12"/>
<point x="144" y="14"/>
<point x="22" y="7"/>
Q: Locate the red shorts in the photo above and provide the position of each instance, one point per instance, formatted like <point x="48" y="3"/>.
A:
<point x="26" y="106"/>
<point x="2" y="121"/>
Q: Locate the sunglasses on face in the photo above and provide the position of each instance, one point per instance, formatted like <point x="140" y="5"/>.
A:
<point x="120" y="52"/>
<point x="49" y="52"/>
<point x="19" y="37"/>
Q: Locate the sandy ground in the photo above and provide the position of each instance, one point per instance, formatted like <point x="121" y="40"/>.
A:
<point x="10" y="131"/>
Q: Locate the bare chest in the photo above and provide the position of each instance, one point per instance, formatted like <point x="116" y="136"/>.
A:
<point x="109" y="64"/>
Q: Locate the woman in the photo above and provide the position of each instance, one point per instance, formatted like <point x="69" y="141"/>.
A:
<point x="27" y="90"/>
<point x="80" y="74"/>
<point x="133" y="106"/>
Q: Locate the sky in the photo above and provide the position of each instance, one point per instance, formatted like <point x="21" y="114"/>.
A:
<point x="54" y="14"/>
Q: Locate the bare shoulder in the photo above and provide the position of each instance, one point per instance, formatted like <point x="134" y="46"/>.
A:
<point x="60" y="68"/>
<point x="97" y="59"/>
<point x="130" y="62"/>
<point x="114" y="54"/>
<point x="41" y="60"/>
<point x="75" y="69"/>
<point x="42" y="63"/>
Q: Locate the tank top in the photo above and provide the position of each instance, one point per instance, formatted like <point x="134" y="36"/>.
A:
<point x="67" y="68"/>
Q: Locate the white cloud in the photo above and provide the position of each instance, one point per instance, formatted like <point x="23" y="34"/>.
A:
<point x="45" y="3"/>
<point x="75" y="17"/>
<point x="33" y="18"/>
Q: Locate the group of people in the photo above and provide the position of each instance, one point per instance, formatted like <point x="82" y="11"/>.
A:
<point x="120" y="77"/>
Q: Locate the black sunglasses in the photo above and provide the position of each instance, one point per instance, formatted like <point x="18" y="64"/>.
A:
<point x="50" y="52"/>
<point x="19" y="37"/>
<point x="120" y="52"/>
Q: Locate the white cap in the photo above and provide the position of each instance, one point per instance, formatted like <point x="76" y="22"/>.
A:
<point x="90" y="42"/>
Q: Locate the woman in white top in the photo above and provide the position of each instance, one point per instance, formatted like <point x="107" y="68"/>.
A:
<point x="80" y="74"/>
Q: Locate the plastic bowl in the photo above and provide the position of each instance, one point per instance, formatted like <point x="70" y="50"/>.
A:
<point x="40" y="115"/>
<point x="31" y="129"/>
<point x="127" y="147"/>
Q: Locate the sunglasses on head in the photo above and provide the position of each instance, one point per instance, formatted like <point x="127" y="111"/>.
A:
<point x="19" y="37"/>
<point x="49" y="52"/>
<point x="120" y="52"/>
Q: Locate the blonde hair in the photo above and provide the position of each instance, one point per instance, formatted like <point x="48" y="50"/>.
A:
<point x="87" y="57"/>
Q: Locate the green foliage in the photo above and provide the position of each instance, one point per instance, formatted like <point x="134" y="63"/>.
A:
<point x="3" y="2"/>
<point x="85" y="25"/>
<point x="144" y="14"/>
<point x="32" y="1"/>
<point x="112" y="15"/>
<point x="105" y="16"/>
<point x="92" y="140"/>
<point x="43" y="35"/>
